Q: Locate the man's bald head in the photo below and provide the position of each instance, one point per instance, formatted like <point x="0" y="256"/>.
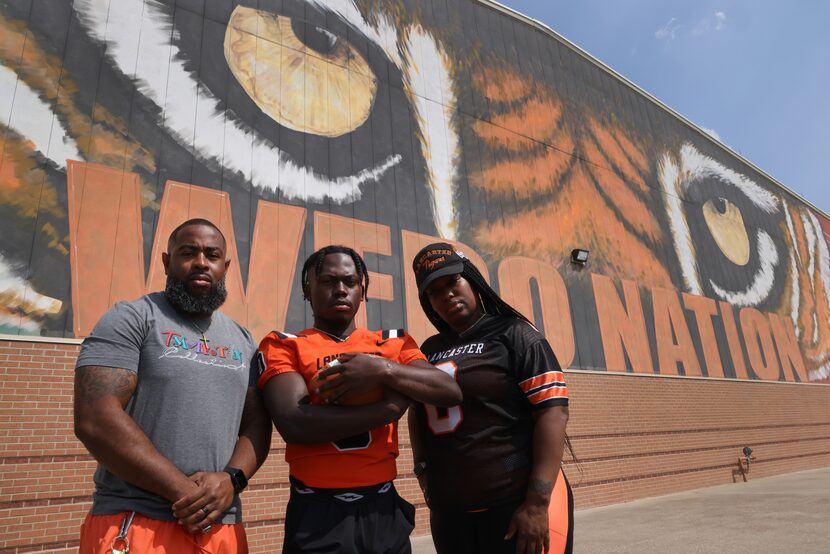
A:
<point x="195" y="221"/>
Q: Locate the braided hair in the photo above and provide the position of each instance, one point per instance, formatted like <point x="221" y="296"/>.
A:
<point x="489" y="301"/>
<point x="316" y="261"/>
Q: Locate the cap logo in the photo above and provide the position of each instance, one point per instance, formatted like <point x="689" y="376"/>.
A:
<point x="430" y="264"/>
<point x="424" y="262"/>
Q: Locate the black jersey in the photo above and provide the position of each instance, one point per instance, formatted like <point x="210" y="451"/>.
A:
<point x="479" y="454"/>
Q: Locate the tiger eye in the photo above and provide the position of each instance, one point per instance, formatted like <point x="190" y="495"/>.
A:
<point x="326" y="91"/>
<point x="726" y="224"/>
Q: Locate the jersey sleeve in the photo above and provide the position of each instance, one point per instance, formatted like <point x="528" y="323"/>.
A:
<point x="409" y="351"/>
<point x="116" y="340"/>
<point x="539" y="376"/>
<point x="275" y="356"/>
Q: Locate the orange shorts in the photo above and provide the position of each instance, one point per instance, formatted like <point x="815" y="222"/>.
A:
<point x="153" y="536"/>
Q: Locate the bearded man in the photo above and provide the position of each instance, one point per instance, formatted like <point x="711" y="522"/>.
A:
<point x="166" y="402"/>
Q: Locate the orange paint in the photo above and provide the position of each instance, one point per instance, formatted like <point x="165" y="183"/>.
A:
<point x="104" y="238"/>
<point x="759" y="347"/>
<point x="107" y="255"/>
<point x="806" y="300"/>
<point x="634" y="152"/>
<point x="23" y="184"/>
<point x="524" y="176"/>
<point x="624" y="198"/>
<point x="789" y="351"/>
<point x="622" y="327"/>
<point x="417" y="324"/>
<point x="501" y="137"/>
<point x="577" y="216"/>
<point x="615" y="155"/>
<point x="817" y="350"/>
<point x="278" y="233"/>
<point x="538" y="119"/>
<point x="9" y="184"/>
<point x="515" y="274"/>
<point x="363" y="237"/>
<point x="101" y="138"/>
<point x="705" y="309"/>
<point x="733" y="340"/>
<point x="502" y="84"/>
<point x="674" y="342"/>
<point x="813" y="317"/>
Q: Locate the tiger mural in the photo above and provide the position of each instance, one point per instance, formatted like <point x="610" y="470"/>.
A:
<point x="451" y="120"/>
<point x="593" y="183"/>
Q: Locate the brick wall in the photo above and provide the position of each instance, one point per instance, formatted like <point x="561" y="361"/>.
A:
<point x="635" y="436"/>
<point x="644" y="436"/>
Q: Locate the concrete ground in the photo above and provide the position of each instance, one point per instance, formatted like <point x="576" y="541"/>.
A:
<point x="782" y="514"/>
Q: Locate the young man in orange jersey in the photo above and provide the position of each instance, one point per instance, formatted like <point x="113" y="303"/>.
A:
<point x="342" y="458"/>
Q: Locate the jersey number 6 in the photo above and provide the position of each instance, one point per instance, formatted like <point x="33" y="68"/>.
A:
<point x="444" y="420"/>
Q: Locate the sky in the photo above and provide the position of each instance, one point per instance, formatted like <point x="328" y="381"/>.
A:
<point x="754" y="73"/>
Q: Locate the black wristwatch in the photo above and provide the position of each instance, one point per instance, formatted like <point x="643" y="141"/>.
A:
<point x="238" y="479"/>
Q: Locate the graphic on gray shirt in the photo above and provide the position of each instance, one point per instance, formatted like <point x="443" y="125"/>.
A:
<point x="189" y="396"/>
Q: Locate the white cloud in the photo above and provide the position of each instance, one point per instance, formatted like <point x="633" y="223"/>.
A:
<point x="716" y="22"/>
<point x="668" y="31"/>
<point x="720" y="20"/>
<point x="713" y="133"/>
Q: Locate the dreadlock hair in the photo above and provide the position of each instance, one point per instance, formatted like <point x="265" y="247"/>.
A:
<point x="489" y="301"/>
<point x="316" y="261"/>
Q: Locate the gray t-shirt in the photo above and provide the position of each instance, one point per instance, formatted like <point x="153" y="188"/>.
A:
<point x="188" y="399"/>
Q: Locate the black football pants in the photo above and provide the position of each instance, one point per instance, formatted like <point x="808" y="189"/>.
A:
<point x="320" y="522"/>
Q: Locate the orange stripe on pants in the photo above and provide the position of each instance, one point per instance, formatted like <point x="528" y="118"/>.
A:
<point x="153" y="536"/>
<point x="559" y="516"/>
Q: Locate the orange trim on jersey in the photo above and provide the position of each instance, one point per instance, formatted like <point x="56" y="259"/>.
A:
<point x="547" y="394"/>
<point x="535" y="382"/>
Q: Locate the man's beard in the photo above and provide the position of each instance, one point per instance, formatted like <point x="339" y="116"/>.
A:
<point x="181" y="299"/>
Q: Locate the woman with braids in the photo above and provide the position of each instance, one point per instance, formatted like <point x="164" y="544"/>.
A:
<point x="490" y="467"/>
<point x="341" y="457"/>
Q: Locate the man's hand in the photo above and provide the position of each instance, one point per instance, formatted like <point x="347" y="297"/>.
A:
<point x="355" y="374"/>
<point x="529" y="525"/>
<point x="207" y="503"/>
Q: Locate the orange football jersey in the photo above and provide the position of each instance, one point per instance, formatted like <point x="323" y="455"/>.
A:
<point x="364" y="459"/>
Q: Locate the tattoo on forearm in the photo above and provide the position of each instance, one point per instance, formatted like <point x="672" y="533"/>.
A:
<point x="93" y="382"/>
<point x="540" y="487"/>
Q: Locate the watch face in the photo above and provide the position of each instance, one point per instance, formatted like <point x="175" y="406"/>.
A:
<point x="238" y="478"/>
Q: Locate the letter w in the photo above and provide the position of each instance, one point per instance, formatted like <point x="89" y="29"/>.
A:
<point x="107" y="254"/>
